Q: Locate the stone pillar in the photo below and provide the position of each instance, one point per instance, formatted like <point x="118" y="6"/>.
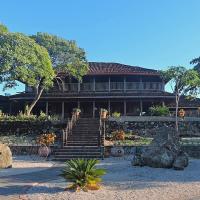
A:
<point x="63" y="110"/>
<point x="78" y="104"/>
<point x="47" y="108"/>
<point x="163" y="103"/>
<point x="141" y="107"/>
<point x="93" y="105"/>
<point x="124" y="107"/>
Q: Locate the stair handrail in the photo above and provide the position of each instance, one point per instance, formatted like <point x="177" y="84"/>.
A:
<point x="102" y="134"/>
<point x="70" y="124"/>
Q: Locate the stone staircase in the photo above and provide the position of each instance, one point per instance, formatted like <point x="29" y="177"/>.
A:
<point x="83" y="142"/>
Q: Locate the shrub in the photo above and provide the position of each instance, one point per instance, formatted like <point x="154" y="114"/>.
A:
<point x="116" y="114"/>
<point x="118" y="135"/>
<point x="46" y="139"/>
<point x="159" y="110"/>
<point x="83" y="173"/>
<point x="43" y="116"/>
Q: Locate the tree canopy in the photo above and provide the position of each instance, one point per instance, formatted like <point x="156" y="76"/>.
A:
<point x="65" y="55"/>
<point x="3" y="29"/>
<point x="22" y="59"/>
<point x="183" y="82"/>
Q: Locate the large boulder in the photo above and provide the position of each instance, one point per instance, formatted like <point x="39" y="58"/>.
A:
<point x="181" y="161"/>
<point x="164" y="152"/>
<point x="5" y="156"/>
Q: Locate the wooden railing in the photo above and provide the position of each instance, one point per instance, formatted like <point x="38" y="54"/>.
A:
<point x="101" y="137"/>
<point x="110" y="87"/>
<point x="68" y="130"/>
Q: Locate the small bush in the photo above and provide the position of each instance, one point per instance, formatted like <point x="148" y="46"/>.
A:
<point x="116" y="114"/>
<point x="118" y="135"/>
<point x="159" y="110"/>
<point x="83" y="174"/>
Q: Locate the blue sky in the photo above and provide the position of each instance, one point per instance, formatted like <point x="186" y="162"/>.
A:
<point x="149" y="33"/>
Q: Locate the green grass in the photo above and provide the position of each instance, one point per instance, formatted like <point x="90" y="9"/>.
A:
<point x="139" y="142"/>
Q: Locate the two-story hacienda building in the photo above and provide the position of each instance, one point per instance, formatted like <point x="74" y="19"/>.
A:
<point x="130" y="90"/>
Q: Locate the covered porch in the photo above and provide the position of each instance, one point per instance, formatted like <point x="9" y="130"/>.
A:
<point x="91" y="108"/>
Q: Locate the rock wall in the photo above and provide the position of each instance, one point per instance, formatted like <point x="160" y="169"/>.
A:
<point x="29" y="129"/>
<point x="147" y="126"/>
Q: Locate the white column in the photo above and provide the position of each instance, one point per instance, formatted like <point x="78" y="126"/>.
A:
<point x="124" y="84"/>
<point x="141" y="107"/>
<point x="124" y="107"/>
<point x="163" y="103"/>
<point x="63" y="109"/>
<point x="47" y="107"/>
<point x="93" y="105"/>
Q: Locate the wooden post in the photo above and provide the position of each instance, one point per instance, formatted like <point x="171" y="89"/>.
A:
<point x="63" y="110"/>
<point x="109" y="84"/>
<point x="109" y="107"/>
<point x="79" y="86"/>
<point x="78" y="104"/>
<point x="124" y="107"/>
<point x="124" y="84"/>
<point x="94" y="84"/>
<point x="141" y="84"/>
<point x="93" y="114"/>
<point x="141" y="107"/>
<point x="47" y="108"/>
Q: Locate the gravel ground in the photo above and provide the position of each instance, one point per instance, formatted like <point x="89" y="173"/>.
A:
<point x="26" y="164"/>
<point x="124" y="182"/>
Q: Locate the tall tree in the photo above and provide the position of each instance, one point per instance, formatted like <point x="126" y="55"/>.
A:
<point x="183" y="82"/>
<point x="66" y="57"/>
<point x="22" y="59"/>
<point x="196" y="63"/>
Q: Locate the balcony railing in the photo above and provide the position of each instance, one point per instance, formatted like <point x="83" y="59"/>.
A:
<point x="111" y="87"/>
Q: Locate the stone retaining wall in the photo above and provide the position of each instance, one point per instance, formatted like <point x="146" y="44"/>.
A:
<point x="192" y="150"/>
<point x="146" y="126"/>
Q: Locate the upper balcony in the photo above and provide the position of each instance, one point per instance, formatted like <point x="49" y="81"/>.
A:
<point x="109" y="87"/>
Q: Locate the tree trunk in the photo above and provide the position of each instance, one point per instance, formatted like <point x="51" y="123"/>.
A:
<point x="177" y="104"/>
<point x="37" y="97"/>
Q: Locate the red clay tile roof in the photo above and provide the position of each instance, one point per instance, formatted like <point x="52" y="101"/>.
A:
<point x="103" y="68"/>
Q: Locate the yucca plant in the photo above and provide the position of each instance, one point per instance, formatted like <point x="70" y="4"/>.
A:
<point x="83" y="174"/>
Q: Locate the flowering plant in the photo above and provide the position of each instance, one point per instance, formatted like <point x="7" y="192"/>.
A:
<point x="46" y="139"/>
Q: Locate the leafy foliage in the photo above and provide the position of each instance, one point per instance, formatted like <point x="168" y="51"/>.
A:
<point x="196" y="63"/>
<point x="183" y="82"/>
<point x="23" y="60"/>
<point x="83" y="173"/>
<point x="65" y="55"/>
<point x="3" y="29"/>
<point x="118" y="135"/>
<point x="159" y="110"/>
<point x="116" y="114"/>
<point x="23" y="117"/>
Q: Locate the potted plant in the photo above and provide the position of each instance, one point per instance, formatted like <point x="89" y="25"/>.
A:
<point x="45" y="140"/>
<point x="181" y="113"/>
<point x="104" y="113"/>
<point x="77" y="111"/>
